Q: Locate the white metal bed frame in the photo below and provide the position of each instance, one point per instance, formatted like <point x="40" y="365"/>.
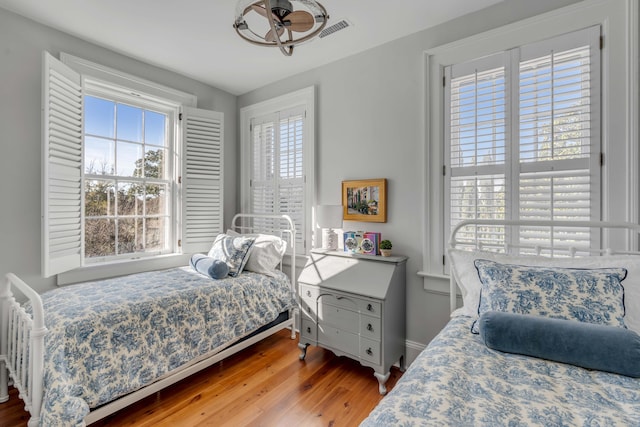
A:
<point x="27" y="334"/>
<point x="631" y="228"/>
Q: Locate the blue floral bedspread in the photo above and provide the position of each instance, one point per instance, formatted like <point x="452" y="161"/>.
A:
<point x="458" y="381"/>
<point x="112" y="337"/>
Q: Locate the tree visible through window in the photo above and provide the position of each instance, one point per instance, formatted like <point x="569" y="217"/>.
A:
<point x="126" y="179"/>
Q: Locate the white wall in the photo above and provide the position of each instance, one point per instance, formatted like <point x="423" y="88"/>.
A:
<point x="369" y="119"/>
<point x="21" y="44"/>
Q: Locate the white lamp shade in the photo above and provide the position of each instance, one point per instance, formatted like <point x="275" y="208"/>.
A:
<point x="329" y="216"/>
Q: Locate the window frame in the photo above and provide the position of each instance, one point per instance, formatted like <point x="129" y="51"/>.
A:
<point x="305" y="99"/>
<point x="511" y="169"/>
<point x="619" y="108"/>
<point x="116" y="95"/>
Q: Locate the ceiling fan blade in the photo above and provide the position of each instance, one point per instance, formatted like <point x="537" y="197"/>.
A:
<point x="270" y="37"/>
<point x="300" y="20"/>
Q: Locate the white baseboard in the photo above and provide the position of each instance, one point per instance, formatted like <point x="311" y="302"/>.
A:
<point x="413" y="350"/>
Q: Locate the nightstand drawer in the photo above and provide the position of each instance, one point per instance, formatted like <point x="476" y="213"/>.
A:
<point x="308" y="308"/>
<point x="370" y="350"/>
<point x="371" y="308"/>
<point x="338" y="339"/>
<point x="309" y="294"/>
<point x="339" y="317"/>
<point x="370" y="327"/>
<point x="309" y="330"/>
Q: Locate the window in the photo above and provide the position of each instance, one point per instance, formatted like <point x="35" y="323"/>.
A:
<point x="522" y="140"/>
<point x="128" y="174"/>
<point x="278" y="161"/>
<point x="127" y="179"/>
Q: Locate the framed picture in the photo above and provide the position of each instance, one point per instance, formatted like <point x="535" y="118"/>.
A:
<point x="365" y="200"/>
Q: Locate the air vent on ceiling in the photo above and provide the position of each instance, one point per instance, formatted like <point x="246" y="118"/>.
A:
<point x="340" y="25"/>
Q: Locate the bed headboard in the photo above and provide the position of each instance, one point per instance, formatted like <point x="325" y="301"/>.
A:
<point x="277" y="225"/>
<point x="627" y="235"/>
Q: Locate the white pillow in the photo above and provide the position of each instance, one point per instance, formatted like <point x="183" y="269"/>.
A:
<point x="466" y="276"/>
<point x="233" y="250"/>
<point x="266" y="253"/>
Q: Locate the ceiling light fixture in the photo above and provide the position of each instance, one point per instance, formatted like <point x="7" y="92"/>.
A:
<point x="287" y="24"/>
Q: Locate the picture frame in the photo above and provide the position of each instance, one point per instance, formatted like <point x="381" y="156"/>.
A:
<point x="364" y="200"/>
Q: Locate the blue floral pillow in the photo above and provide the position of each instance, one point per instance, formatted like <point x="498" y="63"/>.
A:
<point x="587" y="295"/>
<point x="233" y="250"/>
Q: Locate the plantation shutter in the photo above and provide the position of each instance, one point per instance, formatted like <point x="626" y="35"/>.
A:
<point x="277" y="169"/>
<point x="559" y="110"/>
<point x="523" y="140"/>
<point x="477" y="110"/>
<point x="202" y="178"/>
<point x="62" y="235"/>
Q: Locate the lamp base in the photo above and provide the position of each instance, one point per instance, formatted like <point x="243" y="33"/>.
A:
<point x="329" y="239"/>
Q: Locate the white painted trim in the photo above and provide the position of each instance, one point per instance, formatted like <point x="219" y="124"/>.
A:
<point x="633" y="111"/>
<point x="303" y="97"/>
<point x="413" y="349"/>
<point x="121" y="268"/>
<point x="426" y="205"/>
<point x="111" y="75"/>
<point x="546" y="25"/>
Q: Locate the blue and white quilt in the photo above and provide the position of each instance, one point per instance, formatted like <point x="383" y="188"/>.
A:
<point x="112" y="337"/>
<point x="458" y="381"/>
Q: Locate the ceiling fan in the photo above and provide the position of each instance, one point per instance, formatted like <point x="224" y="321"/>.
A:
<point x="287" y="25"/>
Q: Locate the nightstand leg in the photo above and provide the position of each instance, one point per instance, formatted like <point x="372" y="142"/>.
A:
<point x="303" y="350"/>
<point x="403" y="364"/>
<point x="382" y="380"/>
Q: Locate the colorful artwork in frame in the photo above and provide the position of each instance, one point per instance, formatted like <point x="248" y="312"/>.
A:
<point x="365" y="200"/>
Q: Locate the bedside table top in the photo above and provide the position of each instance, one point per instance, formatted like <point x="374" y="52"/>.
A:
<point x="395" y="259"/>
<point x="354" y="273"/>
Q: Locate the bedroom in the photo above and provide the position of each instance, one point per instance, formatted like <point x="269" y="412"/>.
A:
<point x="370" y="124"/>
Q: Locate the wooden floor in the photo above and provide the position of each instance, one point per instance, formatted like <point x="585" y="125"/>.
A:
<point x="264" y="385"/>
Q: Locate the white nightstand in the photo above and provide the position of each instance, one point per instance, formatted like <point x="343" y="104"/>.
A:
<point x="354" y="305"/>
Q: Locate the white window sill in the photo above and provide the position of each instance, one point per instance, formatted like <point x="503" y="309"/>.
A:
<point x="121" y="268"/>
<point x="441" y="286"/>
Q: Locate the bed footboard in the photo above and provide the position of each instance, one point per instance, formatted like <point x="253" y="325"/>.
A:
<point x="22" y="345"/>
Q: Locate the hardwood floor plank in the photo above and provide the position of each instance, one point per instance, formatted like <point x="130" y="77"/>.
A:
<point x="264" y="385"/>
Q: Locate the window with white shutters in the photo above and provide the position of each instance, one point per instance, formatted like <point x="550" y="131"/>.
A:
<point x="277" y="183"/>
<point x="523" y="140"/>
<point x="120" y="176"/>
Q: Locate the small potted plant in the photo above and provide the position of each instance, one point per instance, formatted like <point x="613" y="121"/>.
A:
<point x="385" y="248"/>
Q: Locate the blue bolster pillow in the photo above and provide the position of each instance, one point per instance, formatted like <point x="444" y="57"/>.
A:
<point x="208" y="266"/>
<point x="592" y="346"/>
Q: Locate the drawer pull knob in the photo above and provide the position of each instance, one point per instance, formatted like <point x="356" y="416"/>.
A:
<point x="308" y="293"/>
<point x="369" y="327"/>
<point x="369" y="307"/>
<point x="369" y="351"/>
<point x="308" y="330"/>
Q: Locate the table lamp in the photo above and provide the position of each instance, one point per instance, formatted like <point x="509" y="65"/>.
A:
<point x="329" y="217"/>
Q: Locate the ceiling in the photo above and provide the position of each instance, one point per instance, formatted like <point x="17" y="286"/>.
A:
<point x="196" y="38"/>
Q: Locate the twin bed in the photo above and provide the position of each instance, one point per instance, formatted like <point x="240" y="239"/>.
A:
<point x="541" y="321"/>
<point x="79" y="353"/>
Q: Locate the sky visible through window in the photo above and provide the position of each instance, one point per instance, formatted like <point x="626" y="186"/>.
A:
<point x="116" y="134"/>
